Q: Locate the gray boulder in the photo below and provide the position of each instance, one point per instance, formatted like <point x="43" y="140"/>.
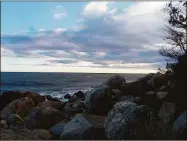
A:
<point x="128" y="120"/>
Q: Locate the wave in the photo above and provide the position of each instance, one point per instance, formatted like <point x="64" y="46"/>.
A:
<point x="60" y="94"/>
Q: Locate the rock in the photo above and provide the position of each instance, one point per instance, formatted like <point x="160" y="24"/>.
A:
<point x="71" y="109"/>
<point x="74" y="128"/>
<point x="99" y="101"/>
<point x="116" y="81"/>
<point x="67" y="96"/>
<point x="128" y="120"/>
<point x="162" y="95"/>
<point x="84" y="126"/>
<point x="48" y="97"/>
<point x="80" y="94"/>
<point x="43" y="118"/>
<point x="180" y="127"/>
<point x="44" y="134"/>
<point x="19" y="133"/>
<point x="18" y="108"/>
<point x="8" y="97"/>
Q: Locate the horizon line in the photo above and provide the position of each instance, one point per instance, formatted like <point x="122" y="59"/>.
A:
<point x="73" y="72"/>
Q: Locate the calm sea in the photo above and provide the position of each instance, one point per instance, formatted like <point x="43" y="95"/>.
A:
<point x="56" y="84"/>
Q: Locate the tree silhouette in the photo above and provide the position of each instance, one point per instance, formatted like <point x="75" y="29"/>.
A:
<point x="176" y="30"/>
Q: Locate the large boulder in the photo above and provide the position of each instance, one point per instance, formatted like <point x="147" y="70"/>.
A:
<point x="18" y="108"/>
<point x="128" y="120"/>
<point x="116" y="81"/>
<point x="84" y="126"/>
<point x="99" y="101"/>
<point x="44" y="118"/>
<point x="10" y="96"/>
<point x="180" y="127"/>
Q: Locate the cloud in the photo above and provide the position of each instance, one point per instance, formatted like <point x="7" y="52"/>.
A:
<point x="95" y="9"/>
<point x="101" y="37"/>
<point x="59" y="12"/>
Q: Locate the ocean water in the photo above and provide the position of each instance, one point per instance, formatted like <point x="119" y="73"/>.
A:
<point x="56" y="84"/>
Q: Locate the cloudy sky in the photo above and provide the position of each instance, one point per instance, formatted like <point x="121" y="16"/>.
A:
<point x="82" y="36"/>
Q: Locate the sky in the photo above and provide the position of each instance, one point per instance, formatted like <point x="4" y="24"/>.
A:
<point x="95" y="37"/>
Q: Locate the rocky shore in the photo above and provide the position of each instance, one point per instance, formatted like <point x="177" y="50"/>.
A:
<point x="143" y="109"/>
